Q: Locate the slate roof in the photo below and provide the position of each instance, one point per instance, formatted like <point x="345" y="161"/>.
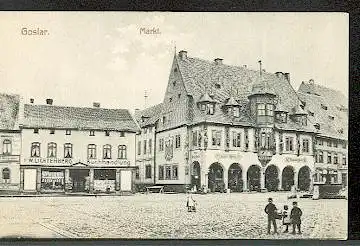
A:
<point x="9" y="111"/>
<point x="50" y="116"/>
<point x="149" y="115"/>
<point x="221" y="82"/>
<point x="316" y="97"/>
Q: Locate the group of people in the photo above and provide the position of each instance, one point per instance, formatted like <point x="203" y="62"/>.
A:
<point x="293" y="219"/>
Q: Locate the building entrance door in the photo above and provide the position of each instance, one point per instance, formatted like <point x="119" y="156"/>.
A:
<point x="79" y="180"/>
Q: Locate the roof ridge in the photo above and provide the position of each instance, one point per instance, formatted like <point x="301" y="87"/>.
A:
<point x="77" y="107"/>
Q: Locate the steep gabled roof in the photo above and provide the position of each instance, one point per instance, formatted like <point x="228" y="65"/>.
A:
<point x="49" y="116"/>
<point x="149" y="115"/>
<point x="9" y="111"/>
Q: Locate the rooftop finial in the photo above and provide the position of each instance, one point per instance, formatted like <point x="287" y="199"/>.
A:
<point x="260" y="67"/>
<point x="145" y="98"/>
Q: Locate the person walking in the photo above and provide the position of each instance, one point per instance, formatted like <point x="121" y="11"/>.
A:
<point x="271" y="211"/>
<point x="295" y="217"/>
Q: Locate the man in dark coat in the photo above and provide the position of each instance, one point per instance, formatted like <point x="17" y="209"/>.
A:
<point x="295" y="217"/>
<point x="271" y="211"/>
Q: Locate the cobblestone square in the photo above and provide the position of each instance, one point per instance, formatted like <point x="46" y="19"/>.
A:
<point x="155" y="216"/>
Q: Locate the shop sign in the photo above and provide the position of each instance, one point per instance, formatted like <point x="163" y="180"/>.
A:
<point x="294" y="159"/>
<point x="228" y="156"/>
<point x="39" y="161"/>
<point x="109" y="162"/>
<point x="6" y="158"/>
<point x="195" y="155"/>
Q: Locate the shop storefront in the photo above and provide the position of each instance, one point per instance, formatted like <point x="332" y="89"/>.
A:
<point x="52" y="180"/>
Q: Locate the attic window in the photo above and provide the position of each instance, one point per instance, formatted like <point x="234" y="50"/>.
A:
<point x="217" y="86"/>
<point x="317" y="126"/>
<point x="175" y="70"/>
<point x="324" y="107"/>
<point x="331" y="117"/>
<point x="311" y="113"/>
<point x="164" y="120"/>
<point x="170" y="99"/>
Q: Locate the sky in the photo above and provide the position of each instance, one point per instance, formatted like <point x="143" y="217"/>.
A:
<point x="102" y="56"/>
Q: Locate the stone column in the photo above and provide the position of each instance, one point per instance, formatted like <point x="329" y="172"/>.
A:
<point x="21" y="179"/>
<point x="226" y="178"/>
<point x="38" y="179"/>
<point x="206" y="181"/>
<point x="117" y="179"/>
<point x="296" y="179"/>
<point x="91" y="180"/>
<point x="244" y="179"/>
<point x="311" y="181"/>
<point x="262" y="179"/>
<point x="280" y="180"/>
<point x="67" y="179"/>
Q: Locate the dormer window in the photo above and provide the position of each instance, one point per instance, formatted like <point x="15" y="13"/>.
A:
<point x="265" y="113"/>
<point x="310" y="113"/>
<point x="324" y="107"/>
<point x="281" y="117"/>
<point x="210" y="109"/>
<point x="236" y="112"/>
<point x="317" y="126"/>
<point x="217" y="86"/>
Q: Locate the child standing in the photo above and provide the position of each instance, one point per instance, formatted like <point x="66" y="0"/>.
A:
<point x="286" y="218"/>
<point x="190" y="204"/>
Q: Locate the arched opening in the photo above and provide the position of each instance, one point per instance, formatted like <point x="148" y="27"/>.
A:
<point x="235" y="178"/>
<point x="253" y="178"/>
<point x="195" y="176"/>
<point x="287" y="178"/>
<point x="216" y="178"/>
<point x="304" y="179"/>
<point x="271" y="178"/>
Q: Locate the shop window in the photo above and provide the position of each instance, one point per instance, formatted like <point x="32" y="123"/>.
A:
<point x="36" y="130"/>
<point x="122" y="152"/>
<point x="139" y="148"/>
<point x="68" y="132"/>
<point x="177" y="141"/>
<point x="104" y="174"/>
<point x="289" y="143"/>
<point x="216" y="138"/>
<point x="305" y="146"/>
<point x="51" y="150"/>
<point x="6" y="173"/>
<point x="329" y="158"/>
<point x="52" y="131"/>
<point x="161" y="172"/>
<point x="107" y="133"/>
<point x="145" y="147"/>
<point x="148" y="171"/>
<point x="92" y="133"/>
<point x="91" y="151"/>
<point x="122" y="134"/>
<point x="236" y="139"/>
<point x="68" y="150"/>
<point x="52" y="179"/>
<point x="150" y="145"/>
<point x="161" y="144"/>
<point x="7" y="147"/>
<point x="175" y="172"/>
<point x="107" y="151"/>
<point x="35" y="149"/>
<point x="167" y="172"/>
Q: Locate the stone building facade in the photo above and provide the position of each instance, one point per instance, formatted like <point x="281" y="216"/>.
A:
<point x="228" y="127"/>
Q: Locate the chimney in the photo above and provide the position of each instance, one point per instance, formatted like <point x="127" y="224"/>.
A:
<point x="31" y="100"/>
<point x="96" y="105"/>
<point x="218" y="61"/>
<point x="287" y="76"/>
<point x="183" y="54"/>
<point x="49" y="101"/>
<point x="279" y="74"/>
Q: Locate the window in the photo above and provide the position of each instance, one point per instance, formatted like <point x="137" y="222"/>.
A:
<point x="317" y="126"/>
<point x="344" y="160"/>
<point x="148" y="171"/>
<point x="51" y="150"/>
<point x="164" y="120"/>
<point x="175" y="172"/>
<point x="269" y="110"/>
<point x="52" y="131"/>
<point x="305" y="145"/>
<point x="210" y="109"/>
<point x="321" y="157"/>
<point x="236" y="139"/>
<point x="145" y="130"/>
<point x="150" y="129"/>
<point x="36" y="130"/>
<point x="179" y="95"/>
<point x="167" y="172"/>
<point x="107" y="133"/>
<point x="289" y="143"/>
<point x="161" y="144"/>
<point x="91" y="151"/>
<point x="6" y="173"/>
<point x="311" y="113"/>
<point x="329" y="143"/>
<point x="137" y="173"/>
<point x="144" y="147"/>
<point x="329" y="158"/>
<point x="344" y="145"/>
<point x="107" y="151"/>
<point x="336" y="161"/>
<point x="321" y="142"/>
<point x="194" y="138"/>
<point x="35" y="149"/>
<point x="122" y="134"/>
<point x="335" y="144"/>
<point x="174" y="83"/>
<point x="68" y="132"/>
<point x="236" y="112"/>
<point x="7" y="147"/>
<point x="161" y="172"/>
<point x="216" y="138"/>
<point x="281" y="117"/>
<point x="68" y="150"/>
<point x="150" y="145"/>
<point x="177" y="141"/>
<point x="170" y="99"/>
<point x="261" y="110"/>
<point x="92" y="133"/>
<point x="139" y="148"/>
<point x="122" y="152"/>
